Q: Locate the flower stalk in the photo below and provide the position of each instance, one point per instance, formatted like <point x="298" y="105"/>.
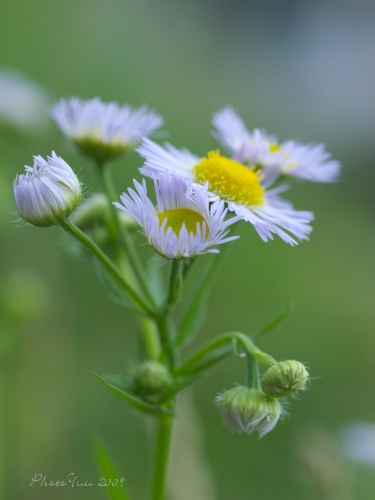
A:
<point x="122" y="235"/>
<point x="80" y="236"/>
<point x="163" y="445"/>
<point x="195" y="363"/>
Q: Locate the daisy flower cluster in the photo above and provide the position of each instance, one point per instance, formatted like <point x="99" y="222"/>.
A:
<point x="245" y="180"/>
<point x="235" y="184"/>
<point x="194" y="204"/>
<point x="198" y="198"/>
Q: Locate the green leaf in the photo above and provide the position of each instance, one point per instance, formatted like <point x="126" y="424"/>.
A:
<point x="155" y="277"/>
<point x="210" y="359"/>
<point x="181" y="383"/>
<point x="112" y="287"/>
<point x="277" y="320"/>
<point x="109" y="473"/>
<point x="120" y="381"/>
<point x="194" y="312"/>
<point x="134" y="401"/>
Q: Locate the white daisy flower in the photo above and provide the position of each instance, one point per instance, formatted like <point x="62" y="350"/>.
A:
<point x="184" y="223"/>
<point x="104" y="130"/>
<point x="236" y="184"/>
<point x="48" y="193"/>
<point x="307" y="161"/>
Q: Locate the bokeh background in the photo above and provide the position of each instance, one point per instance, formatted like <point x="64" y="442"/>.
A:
<point x="296" y="68"/>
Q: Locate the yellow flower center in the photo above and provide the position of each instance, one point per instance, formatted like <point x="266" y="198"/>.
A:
<point x="178" y="216"/>
<point x="229" y="179"/>
<point x="274" y="148"/>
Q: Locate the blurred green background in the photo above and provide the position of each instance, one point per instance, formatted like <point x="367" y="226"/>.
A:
<point x="299" y="69"/>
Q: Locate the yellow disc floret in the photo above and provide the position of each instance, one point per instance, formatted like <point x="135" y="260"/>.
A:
<point x="178" y="216"/>
<point x="229" y="179"/>
<point x="274" y="148"/>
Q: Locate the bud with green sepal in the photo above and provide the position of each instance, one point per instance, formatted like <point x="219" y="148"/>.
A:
<point x="285" y="379"/>
<point x="248" y="410"/>
<point x="152" y="381"/>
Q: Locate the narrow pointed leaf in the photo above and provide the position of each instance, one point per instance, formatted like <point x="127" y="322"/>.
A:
<point x="155" y="276"/>
<point x="277" y="320"/>
<point x="210" y="359"/>
<point x="119" y="381"/>
<point x="137" y="403"/>
<point x="109" y="473"/>
<point x="111" y="286"/>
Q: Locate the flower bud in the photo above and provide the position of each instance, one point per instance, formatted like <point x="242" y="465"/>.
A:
<point x="248" y="410"/>
<point x="151" y="380"/>
<point x="96" y="211"/>
<point x="48" y="193"/>
<point x="92" y="211"/>
<point x="285" y="379"/>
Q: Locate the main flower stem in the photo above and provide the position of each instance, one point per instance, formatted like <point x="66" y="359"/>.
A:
<point x="150" y="338"/>
<point x="163" y="445"/>
<point x="74" y="231"/>
<point x="165" y="422"/>
<point x="106" y="178"/>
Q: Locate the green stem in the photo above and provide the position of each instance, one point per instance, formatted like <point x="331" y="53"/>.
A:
<point x="249" y="369"/>
<point x="73" y="230"/>
<point x="255" y="380"/>
<point x="192" y="365"/>
<point x="162" y="456"/>
<point x="175" y="282"/>
<point x="164" y="319"/>
<point x="150" y="338"/>
<point x="165" y="335"/>
<point x="106" y="178"/>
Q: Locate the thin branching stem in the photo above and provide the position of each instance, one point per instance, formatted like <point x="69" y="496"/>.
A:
<point x="74" y="231"/>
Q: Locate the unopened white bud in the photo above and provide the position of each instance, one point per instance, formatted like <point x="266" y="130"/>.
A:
<point x="48" y="193"/>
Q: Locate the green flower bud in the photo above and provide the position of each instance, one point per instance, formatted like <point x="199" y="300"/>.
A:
<point x="96" y="211"/>
<point x="92" y="211"/>
<point x="285" y="379"/>
<point x="151" y="380"/>
<point x="248" y="410"/>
